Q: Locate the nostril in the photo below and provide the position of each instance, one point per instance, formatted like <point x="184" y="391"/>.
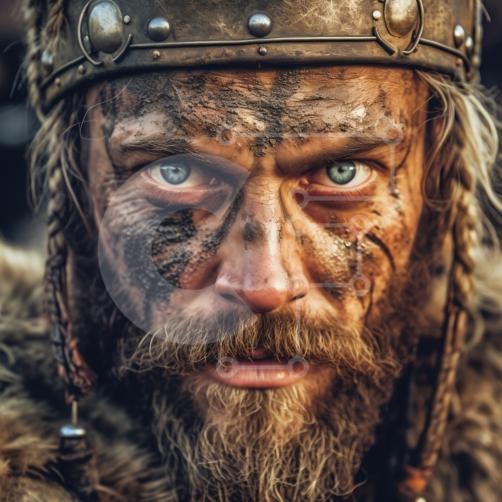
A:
<point x="229" y="297"/>
<point x="298" y="297"/>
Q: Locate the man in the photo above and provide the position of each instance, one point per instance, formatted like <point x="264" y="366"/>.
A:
<point x="262" y="246"/>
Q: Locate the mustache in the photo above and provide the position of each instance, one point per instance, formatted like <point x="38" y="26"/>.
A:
<point x="188" y="344"/>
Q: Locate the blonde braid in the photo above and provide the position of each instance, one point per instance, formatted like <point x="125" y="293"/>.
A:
<point x="51" y="160"/>
<point x="464" y="163"/>
<point x="459" y="309"/>
<point x="49" y="38"/>
<point x="55" y="21"/>
<point x="32" y="18"/>
<point x="57" y="252"/>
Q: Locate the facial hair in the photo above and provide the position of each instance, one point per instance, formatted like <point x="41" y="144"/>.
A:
<point x="302" y="442"/>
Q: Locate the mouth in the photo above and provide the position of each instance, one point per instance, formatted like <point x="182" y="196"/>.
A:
<point x="260" y="371"/>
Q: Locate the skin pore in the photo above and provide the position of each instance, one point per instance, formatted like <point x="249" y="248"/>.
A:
<point x="253" y="220"/>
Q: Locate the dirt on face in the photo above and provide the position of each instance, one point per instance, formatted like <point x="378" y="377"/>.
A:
<point x="232" y="200"/>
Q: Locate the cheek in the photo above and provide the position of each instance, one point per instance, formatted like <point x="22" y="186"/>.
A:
<point x="390" y="237"/>
<point x="159" y="257"/>
<point x="352" y="257"/>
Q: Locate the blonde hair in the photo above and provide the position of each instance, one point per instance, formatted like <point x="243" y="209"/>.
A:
<point x="464" y="159"/>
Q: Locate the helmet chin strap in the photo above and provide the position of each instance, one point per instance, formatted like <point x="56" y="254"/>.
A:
<point x="422" y="459"/>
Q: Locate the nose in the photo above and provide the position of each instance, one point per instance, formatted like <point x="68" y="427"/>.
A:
<point x="262" y="285"/>
<point x="260" y="267"/>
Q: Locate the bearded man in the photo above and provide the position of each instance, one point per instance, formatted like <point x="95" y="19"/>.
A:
<point x="267" y="256"/>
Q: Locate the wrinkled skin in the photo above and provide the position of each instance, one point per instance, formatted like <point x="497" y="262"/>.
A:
<point x="259" y="231"/>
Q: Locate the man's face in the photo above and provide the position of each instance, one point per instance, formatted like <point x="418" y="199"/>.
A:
<point x="259" y="227"/>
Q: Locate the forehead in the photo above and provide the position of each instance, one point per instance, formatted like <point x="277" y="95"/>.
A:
<point x="305" y="98"/>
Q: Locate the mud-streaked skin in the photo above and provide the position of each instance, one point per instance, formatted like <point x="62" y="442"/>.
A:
<point x="264" y="230"/>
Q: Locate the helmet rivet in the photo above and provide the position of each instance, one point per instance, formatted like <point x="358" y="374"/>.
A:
<point x="47" y="61"/>
<point x="156" y="54"/>
<point x="58" y="82"/>
<point x="106" y="30"/>
<point x="259" y="25"/>
<point x="459" y="35"/>
<point x="377" y="15"/>
<point x="81" y="69"/>
<point x="469" y="45"/>
<point x="127" y="19"/>
<point x="459" y="62"/>
<point x="262" y="51"/>
<point x="401" y="16"/>
<point x="159" y="29"/>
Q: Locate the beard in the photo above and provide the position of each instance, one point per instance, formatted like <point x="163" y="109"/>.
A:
<point x="302" y="442"/>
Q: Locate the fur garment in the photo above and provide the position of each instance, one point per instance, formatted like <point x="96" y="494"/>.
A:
<point x="32" y="409"/>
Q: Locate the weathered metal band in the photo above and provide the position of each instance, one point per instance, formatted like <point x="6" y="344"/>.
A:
<point x="115" y="37"/>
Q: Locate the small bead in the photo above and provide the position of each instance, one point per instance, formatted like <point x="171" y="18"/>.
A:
<point x="156" y="54"/>
<point x="127" y="19"/>
<point x="47" y="61"/>
<point x="262" y="51"/>
<point x="81" y="69"/>
<point x="377" y="15"/>
<point x="72" y="431"/>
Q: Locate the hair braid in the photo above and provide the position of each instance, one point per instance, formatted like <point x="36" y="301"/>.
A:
<point x="465" y="162"/>
<point x="32" y="18"/>
<point x="55" y="21"/>
<point x="51" y="159"/>
<point x="458" y="309"/>
<point x="72" y="367"/>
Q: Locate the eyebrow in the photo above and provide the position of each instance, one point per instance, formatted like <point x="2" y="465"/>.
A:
<point x="157" y="145"/>
<point x="343" y="147"/>
<point x="148" y="146"/>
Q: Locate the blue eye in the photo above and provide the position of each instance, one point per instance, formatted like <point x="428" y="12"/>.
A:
<point x="342" y="172"/>
<point x="175" y="174"/>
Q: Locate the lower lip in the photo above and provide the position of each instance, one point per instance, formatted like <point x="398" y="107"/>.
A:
<point x="262" y="374"/>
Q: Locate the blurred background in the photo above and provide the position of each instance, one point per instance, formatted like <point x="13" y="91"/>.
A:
<point x="18" y="124"/>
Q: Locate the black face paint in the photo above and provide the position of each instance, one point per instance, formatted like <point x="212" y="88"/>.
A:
<point x="271" y="109"/>
<point x="372" y="237"/>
